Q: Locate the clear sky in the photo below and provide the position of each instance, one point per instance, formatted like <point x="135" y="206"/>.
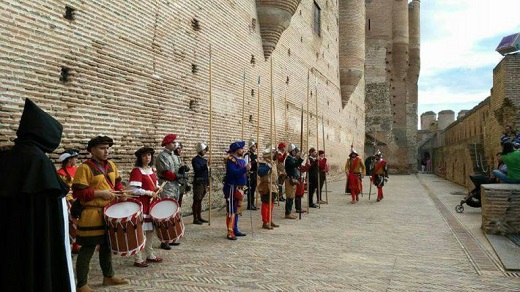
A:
<point x="458" y="42"/>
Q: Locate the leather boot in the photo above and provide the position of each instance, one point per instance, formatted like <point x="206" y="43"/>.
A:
<point x="274" y="225"/>
<point x="114" y="281"/>
<point x="84" y="288"/>
<point x="267" y="226"/>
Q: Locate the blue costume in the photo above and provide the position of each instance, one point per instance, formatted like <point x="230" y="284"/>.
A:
<point x="234" y="184"/>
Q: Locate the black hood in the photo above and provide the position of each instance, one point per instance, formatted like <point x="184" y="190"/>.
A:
<point x="39" y="128"/>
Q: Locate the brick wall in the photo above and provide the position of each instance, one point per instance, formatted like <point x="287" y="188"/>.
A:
<point x="139" y="71"/>
<point x="501" y="209"/>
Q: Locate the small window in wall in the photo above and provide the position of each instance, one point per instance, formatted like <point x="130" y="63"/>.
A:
<point x="317" y="19"/>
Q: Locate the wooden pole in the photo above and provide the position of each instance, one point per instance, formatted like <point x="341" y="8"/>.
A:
<point x="257" y="128"/>
<point x="324" y="155"/>
<point x="318" y="194"/>
<point x="286" y="125"/>
<point x="308" y="133"/>
<point x="243" y="101"/>
<point x="210" y="132"/>
<point x="271" y="146"/>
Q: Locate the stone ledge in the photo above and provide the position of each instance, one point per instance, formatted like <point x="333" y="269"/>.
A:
<point x="501" y="208"/>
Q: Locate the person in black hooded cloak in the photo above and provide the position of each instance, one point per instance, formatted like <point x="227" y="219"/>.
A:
<point x="31" y="194"/>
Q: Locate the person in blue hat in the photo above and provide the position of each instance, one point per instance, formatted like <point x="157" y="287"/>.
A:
<point x="234" y="183"/>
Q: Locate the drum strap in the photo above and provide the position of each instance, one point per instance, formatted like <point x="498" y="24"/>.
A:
<point x="90" y="228"/>
<point x="103" y="171"/>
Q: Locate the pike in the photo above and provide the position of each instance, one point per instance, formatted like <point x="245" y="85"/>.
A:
<point x="250" y="204"/>
<point x="271" y="146"/>
<point x="301" y="143"/>
<point x="318" y="190"/>
<point x="257" y="130"/>
<point x="210" y="134"/>
<point x="308" y="133"/>
<point x="324" y="154"/>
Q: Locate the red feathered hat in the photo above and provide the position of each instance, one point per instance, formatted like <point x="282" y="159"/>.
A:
<point x="168" y="139"/>
<point x="282" y="145"/>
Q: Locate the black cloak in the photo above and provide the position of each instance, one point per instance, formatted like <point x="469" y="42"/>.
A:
<point x="31" y="192"/>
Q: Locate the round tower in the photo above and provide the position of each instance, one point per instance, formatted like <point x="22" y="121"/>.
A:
<point x="446" y="117"/>
<point x="352" y="19"/>
<point x="461" y="114"/>
<point x="428" y="119"/>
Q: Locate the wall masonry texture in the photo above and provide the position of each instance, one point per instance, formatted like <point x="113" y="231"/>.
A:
<point x="140" y="70"/>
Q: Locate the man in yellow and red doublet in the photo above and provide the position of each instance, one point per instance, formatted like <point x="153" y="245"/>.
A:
<point x="93" y="184"/>
<point x="354" y="168"/>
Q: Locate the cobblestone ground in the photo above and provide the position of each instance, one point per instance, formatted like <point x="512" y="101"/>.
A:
<point x="412" y="240"/>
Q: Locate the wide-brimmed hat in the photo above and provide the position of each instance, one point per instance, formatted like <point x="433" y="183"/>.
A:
<point x="98" y="141"/>
<point x="144" y="150"/>
<point x="168" y="139"/>
<point x="68" y="154"/>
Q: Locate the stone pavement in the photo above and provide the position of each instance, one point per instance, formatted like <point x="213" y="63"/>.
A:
<point x="412" y="240"/>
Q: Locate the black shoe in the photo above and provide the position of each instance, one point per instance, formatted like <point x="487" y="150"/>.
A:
<point x="282" y="199"/>
<point x="203" y="221"/>
<point x="313" y="206"/>
<point x="252" y="208"/>
<point x="198" y="222"/>
<point x="238" y="233"/>
<point x="175" y="243"/>
<point x="231" y="237"/>
<point x="165" y="246"/>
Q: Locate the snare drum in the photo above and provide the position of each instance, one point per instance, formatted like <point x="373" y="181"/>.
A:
<point x="167" y="220"/>
<point x="124" y="220"/>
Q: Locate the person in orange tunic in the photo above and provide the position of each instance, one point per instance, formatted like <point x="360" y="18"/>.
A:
<point x="68" y="160"/>
<point x="354" y="168"/>
<point x="379" y="174"/>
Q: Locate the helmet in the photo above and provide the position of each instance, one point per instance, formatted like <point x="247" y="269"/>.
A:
<point x="267" y="152"/>
<point x="293" y="147"/>
<point x="378" y="153"/>
<point x="353" y="152"/>
<point x="200" y="147"/>
<point x="252" y="143"/>
<point x="178" y="145"/>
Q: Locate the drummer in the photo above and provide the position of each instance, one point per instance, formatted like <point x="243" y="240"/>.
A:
<point x="95" y="183"/>
<point x="144" y="184"/>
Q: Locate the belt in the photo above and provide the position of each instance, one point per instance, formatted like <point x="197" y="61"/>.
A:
<point x="240" y="188"/>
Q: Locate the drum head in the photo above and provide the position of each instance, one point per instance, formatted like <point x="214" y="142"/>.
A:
<point x="164" y="209"/>
<point x="122" y="210"/>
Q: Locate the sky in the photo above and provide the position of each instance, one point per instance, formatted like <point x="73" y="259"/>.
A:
<point x="458" y="42"/>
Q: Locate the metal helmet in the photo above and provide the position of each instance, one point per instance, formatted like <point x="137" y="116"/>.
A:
<point x="200" y="147"/>
<point x="378" y="153"/>
<point x="353" y="152"/>
<point x="251" y="143"/>
<point x="293" y="147"/>
<point x="177" y="145"/>
<point x="267" y="152"/>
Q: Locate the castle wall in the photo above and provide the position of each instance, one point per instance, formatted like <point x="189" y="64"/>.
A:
<point x="140" y="70"/>
<point x="470" y="144"/>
